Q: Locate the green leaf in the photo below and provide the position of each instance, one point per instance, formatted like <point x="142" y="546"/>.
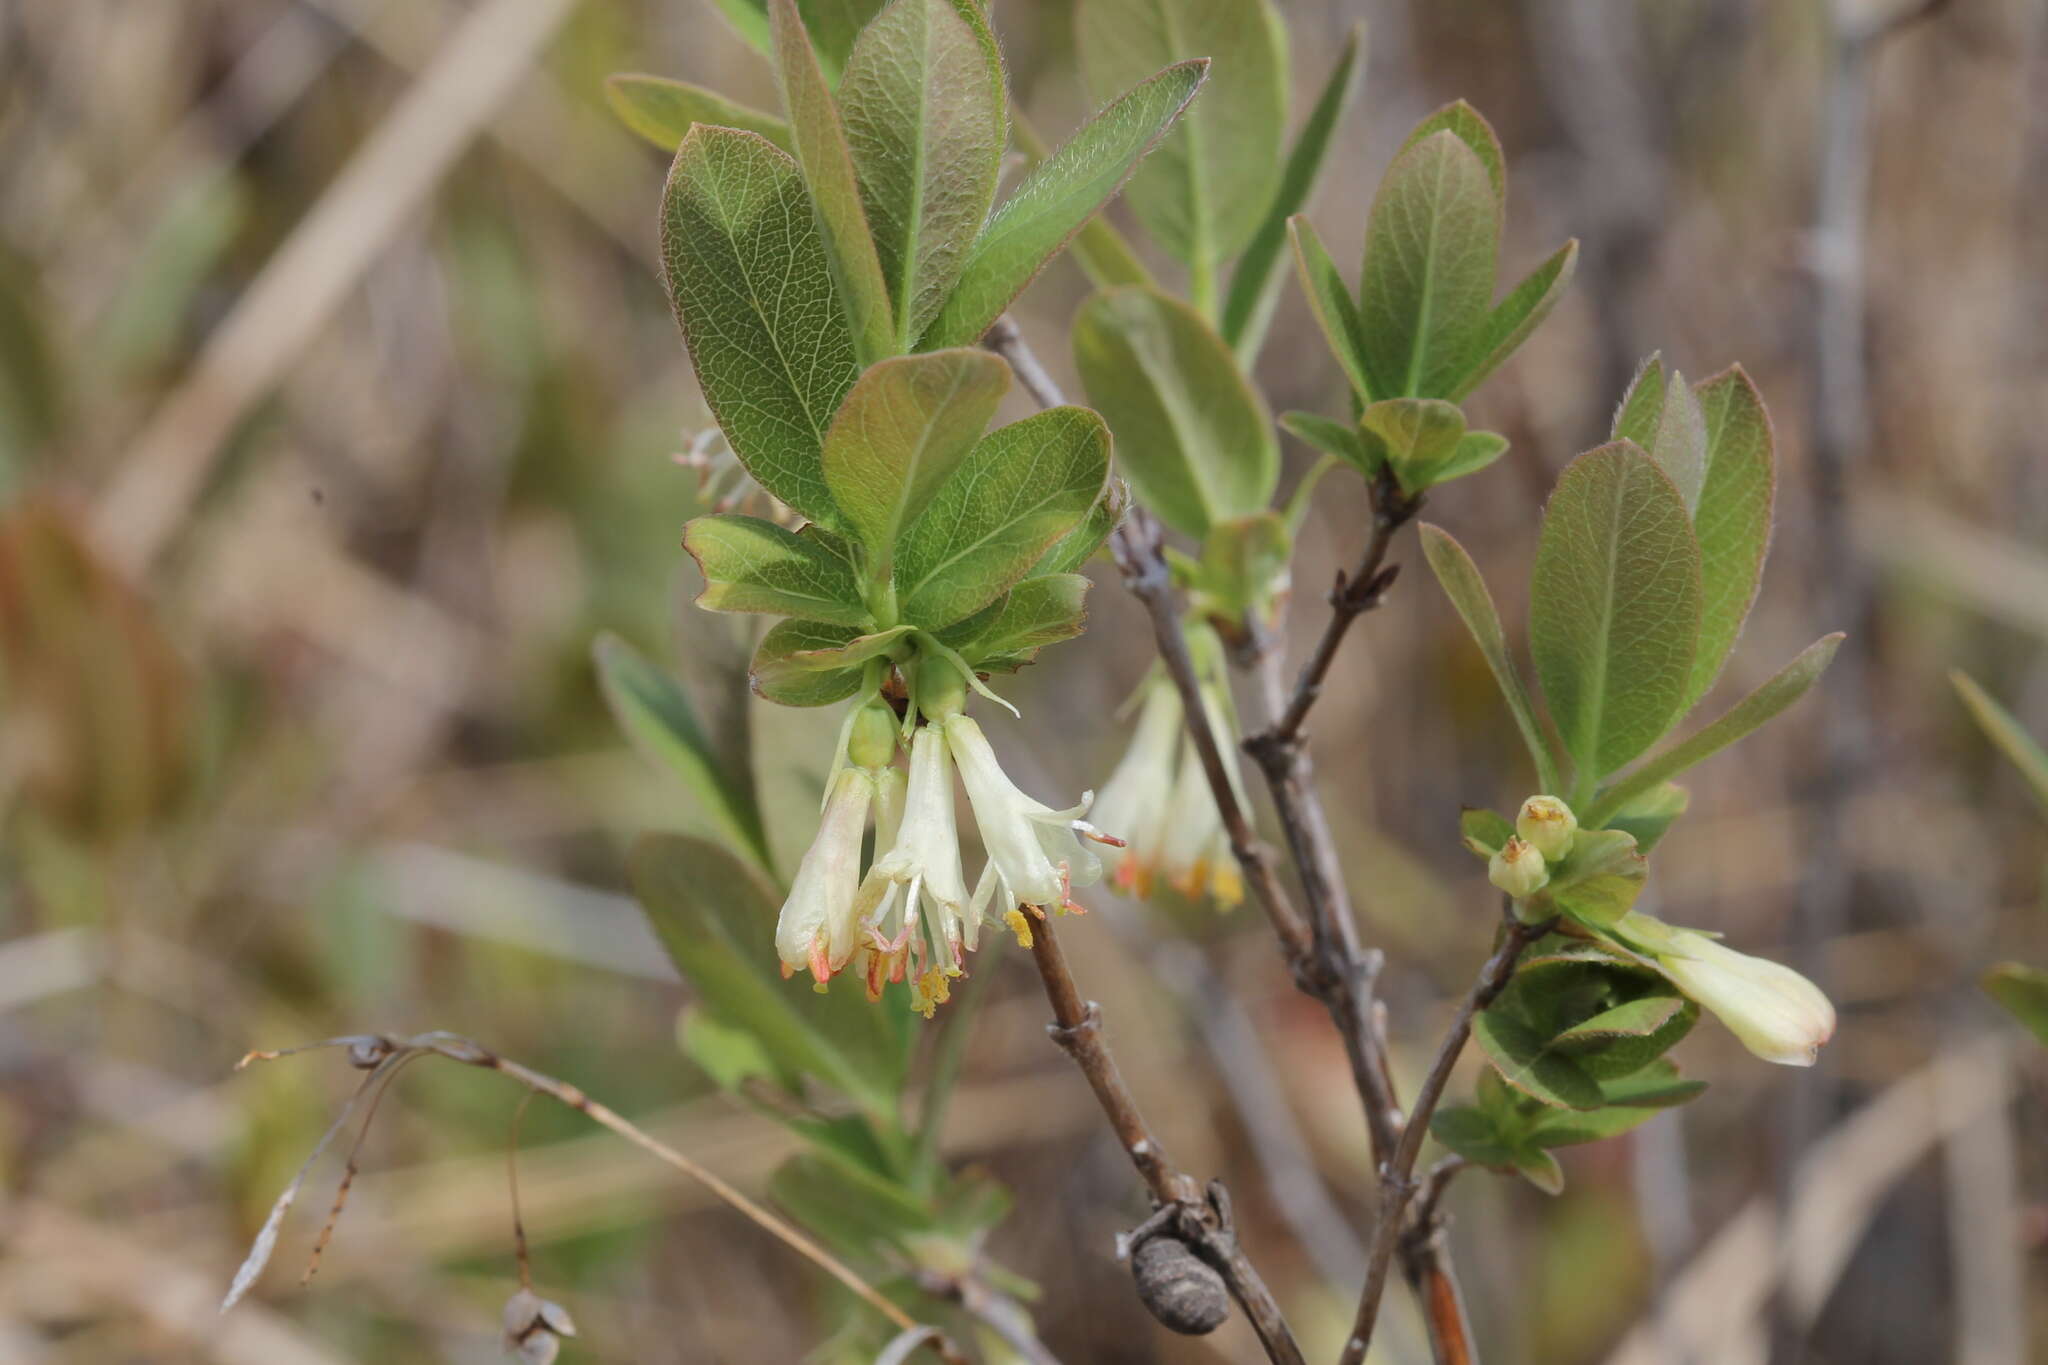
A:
<point x="1661" y="415"/>
<point x="1633" y="1019"/>
<point x="1470" y="127"/>
<point x="1021" y="489"/>
<point x="1484" y="832"/>
<point x="749" y="19"/>
<point x="1330" y="301"/>
<point x="1461" y="582"/>
<point x="1656" y="1086"/>
<point x="2023" y="993"/>
<point x="1104" y="254"/>
<point x="1471" y="1134"/>
<point x="754" y="565"/>
<point x="811" y="663"/>
<point x="716" y="916"/>
<point x="901" y="433"/>
<point x="1056" y="199"/>
<point x="835" y="27"/>
<point x="1412" y="436"/>
<point x="1565" y="1128"/>
<point x="746" y="271"/>
<point x="1475" y="451"/>
<point x="1733" y="523"/>
<point x="1254" y="284"/>
<point x="1080" y="545"/>
<point x="660" y="723"/>
<point x="1625" y="1054"/>
<point x="1526" y="1062"/>
<point x="2005" y="731"/>
<point x="1194" y="438"/>
<point x="662" y="110"/>
<point x="1205" y="190"/>
<point x="1517" y="315"/>
<point x="1431" y="248"/>
<point x="1600" y="879"/>
<point x="728" y="1054"/>
<point x="1614" y="607"/>
<point x="1647" y="817"/>
<point x="835" y="188"/>
<point x="924" y="104"/>
<point x="1332" y="437"/>
<point x="1037" y="612"/>
<point x="1540" y="1169"/>
<point x="1789" y="684"/>
<point x="1635" y="418"/>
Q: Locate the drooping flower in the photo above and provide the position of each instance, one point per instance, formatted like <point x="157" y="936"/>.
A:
<point x="913" y="912"/>
<point x="1777" y="1014"/>
<point x="1195" y="856"/>
<point x="1036" y="855"/>
<point x="816" y="930"/>
<point x="1136" y="799"/>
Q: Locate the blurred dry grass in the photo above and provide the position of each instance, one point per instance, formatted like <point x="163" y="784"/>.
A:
<point x="336" y="396"/>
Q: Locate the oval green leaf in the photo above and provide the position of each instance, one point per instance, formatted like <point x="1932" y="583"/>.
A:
<point x="1614" y="614"/>
<point x="901" y="433"/>
<point x="663" y="111"/>
<point x="1056" y="199"/>
<point x="747" y="274"/>
<point x="1193" y="437"/>
<point x="1021" y="489"/>
<point x="1431" y="248"/>
<point x="923" y="105"/>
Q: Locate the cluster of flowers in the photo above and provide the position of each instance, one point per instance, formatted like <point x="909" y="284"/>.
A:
<point x="1180" y="839"/>
<point x="911" y="918"/>
<point x="1776" y="1013"/>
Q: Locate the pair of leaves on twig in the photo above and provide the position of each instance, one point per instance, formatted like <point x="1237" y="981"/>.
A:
<point x="1651" y="552"/>
<point x="1575" y="1047"/>
<point x="1423" y="329"/>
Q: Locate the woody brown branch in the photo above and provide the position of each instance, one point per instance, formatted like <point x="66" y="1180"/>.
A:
<point x="1199" y="1218"/>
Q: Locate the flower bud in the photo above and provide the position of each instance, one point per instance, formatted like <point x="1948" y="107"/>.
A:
<point x="871" y="736"/>
<point x="1517" y="868"/>
<point x="1547" y="824"/>
<point x="1778" y="1014"/>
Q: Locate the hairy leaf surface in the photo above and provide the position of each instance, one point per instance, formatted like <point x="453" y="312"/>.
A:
<point x="1021" y="489"/>
<point x="1056" y="199"/>
<point x="747" y="274"/>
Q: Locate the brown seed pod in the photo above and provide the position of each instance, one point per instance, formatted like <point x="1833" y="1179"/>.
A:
<point x="1179" y="1288"/>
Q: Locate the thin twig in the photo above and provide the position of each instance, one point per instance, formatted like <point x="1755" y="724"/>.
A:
<point x="382" y="1052"/>
<point x="1397" y="1185"/>
<point x="519" y="1250"/>
<point x="1202" y="1219"/>
<point x="1434" y="1185"/>
<point x="1321" y="949"/>
<point x="1352" y="596"/>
